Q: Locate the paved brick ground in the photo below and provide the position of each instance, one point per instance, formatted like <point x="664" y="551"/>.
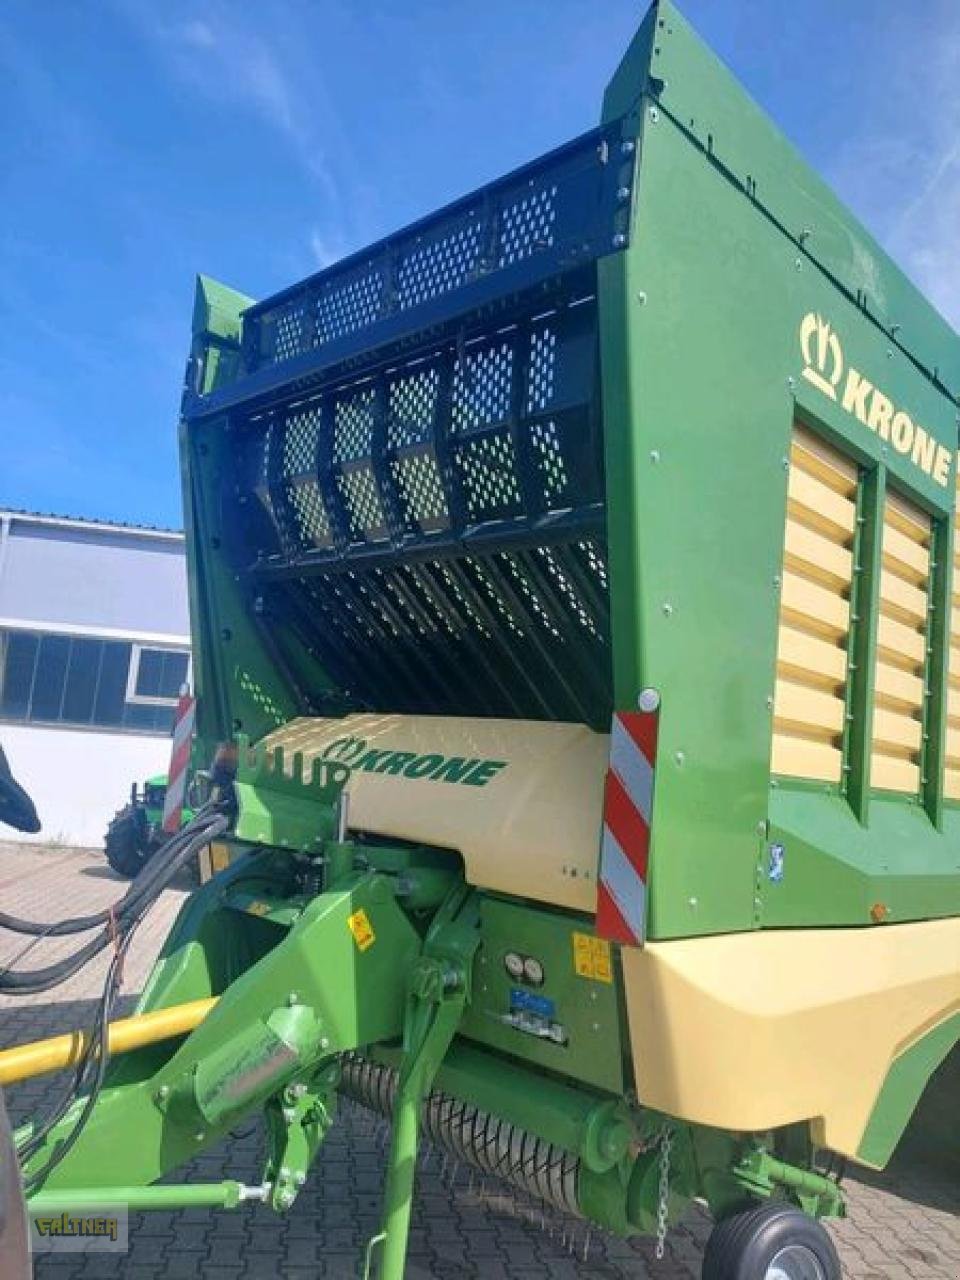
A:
<point x="903" y="1224"/>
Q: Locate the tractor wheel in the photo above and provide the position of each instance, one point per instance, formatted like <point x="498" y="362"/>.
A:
<point x="772" y="1242"/>
<point x="127" y="842"/>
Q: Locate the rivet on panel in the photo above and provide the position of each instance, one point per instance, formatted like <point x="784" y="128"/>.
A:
<point x="667" y="609"/>
<point x="654" y="114"/>
<point x="654" y="455"/>
<point x="679" y="757"/>
<point x="648" y="699"/>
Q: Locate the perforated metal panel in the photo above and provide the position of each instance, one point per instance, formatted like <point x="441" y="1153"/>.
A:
<point x="562" y="212"/>
<point x="433" y="529"/>
<point x="421" y="499"/>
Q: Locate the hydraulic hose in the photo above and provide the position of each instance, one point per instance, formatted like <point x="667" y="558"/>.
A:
<point x="116" y="921"/>
<point x="140" y="884"/>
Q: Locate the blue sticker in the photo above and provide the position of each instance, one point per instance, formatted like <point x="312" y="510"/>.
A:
<point x="775" y="867"/>
<point x="527" y="1002"/>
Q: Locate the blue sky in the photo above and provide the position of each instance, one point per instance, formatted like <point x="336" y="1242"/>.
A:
<point x="145" y="141"/>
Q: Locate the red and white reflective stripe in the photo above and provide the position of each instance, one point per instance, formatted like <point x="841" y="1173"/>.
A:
<point x="627" y="815"/>
<point x="179" y="763"/>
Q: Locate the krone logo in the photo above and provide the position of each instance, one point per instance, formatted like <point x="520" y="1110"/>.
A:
<point x="824" y="368"/>
<point x="822" y="354"/>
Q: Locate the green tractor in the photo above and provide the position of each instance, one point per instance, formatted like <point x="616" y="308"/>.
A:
<point x="136" y="831"/>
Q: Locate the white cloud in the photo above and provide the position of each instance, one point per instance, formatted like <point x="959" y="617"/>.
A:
<point x="905" y="178"/>
<point x="325" y="248"/>
<point x="234" y="57"/>
<point x="200" y="34"/>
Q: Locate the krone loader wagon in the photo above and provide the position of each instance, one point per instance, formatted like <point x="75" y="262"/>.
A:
<point x="573" y="574"/>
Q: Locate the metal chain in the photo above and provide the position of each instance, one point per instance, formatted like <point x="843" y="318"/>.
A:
<point x="666" y="1142"/>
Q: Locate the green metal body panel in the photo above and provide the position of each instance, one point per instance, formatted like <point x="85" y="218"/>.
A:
<point x="902" y="1091"/>
<point x="734" y="241"/>
<point x="585" y="1011"/>
<point x="280" y="1017"/>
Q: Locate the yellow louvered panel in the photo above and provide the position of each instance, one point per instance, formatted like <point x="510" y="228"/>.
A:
<point x="901" y="647"/>
<point x="951" y="784"/>
<point x="809" y="704"/>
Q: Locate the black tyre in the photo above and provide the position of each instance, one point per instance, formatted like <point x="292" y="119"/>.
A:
<point x="771" y="1242"/>
<point x="127" y="842"/>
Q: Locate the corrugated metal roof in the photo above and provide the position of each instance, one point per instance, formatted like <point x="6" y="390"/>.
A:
<point x="88" y="522"/>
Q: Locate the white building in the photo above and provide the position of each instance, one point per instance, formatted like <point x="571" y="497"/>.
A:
<point x="94" y="646"/>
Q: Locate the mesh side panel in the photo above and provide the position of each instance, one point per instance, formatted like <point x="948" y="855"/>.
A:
<point x="527" y="223"/>
<point x="483" y="636"/>
<point x="435" y="265"/>
<point x="564" y="210"/>
<point x="433" y="530"/>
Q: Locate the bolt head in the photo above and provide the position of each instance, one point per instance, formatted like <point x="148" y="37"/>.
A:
<point x="627" y="147"/>
<point x="619" y="240"/>
<point x="292" y="999"/>
<point x="649" y="699"/>
<point x="623" y="193"/>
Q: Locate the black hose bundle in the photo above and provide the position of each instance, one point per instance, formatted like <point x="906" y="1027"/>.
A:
<point x="117" y="927"/>
<point x="112" y="923"/>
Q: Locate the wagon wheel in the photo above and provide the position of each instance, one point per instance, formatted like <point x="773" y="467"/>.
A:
<point x="772" y="1242"/>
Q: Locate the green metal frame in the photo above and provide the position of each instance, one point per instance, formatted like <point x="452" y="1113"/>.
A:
<point x="701" y="367"/>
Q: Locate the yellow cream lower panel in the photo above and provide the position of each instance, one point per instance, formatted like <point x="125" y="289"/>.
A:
<point x="756" y="1030"/>
<point x="533" y="830"/>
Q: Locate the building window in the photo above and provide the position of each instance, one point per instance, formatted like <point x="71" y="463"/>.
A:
<point x="156" y="676"/>
<point x="83" y="680"/>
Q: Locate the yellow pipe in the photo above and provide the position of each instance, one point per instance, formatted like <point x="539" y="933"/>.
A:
<point x="36" y="1059"/>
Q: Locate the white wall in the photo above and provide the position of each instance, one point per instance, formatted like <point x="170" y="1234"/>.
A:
<point x="116" y="580"/>
<point x="78" y="779"/>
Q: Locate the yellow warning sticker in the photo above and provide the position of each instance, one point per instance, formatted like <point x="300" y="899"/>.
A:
<point x="258" y="909"/>
<point x="591" y="958"/>
<point x="362" y="930"/>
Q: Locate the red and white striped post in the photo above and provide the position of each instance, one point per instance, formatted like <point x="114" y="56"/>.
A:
<point x="627" y="817"/>
<point x="179" y="761"/>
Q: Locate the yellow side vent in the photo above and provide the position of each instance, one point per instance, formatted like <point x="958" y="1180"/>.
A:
<point x="901" y="647"/>
<point x="951" y="782"/>
<point x="809" y="707"/>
